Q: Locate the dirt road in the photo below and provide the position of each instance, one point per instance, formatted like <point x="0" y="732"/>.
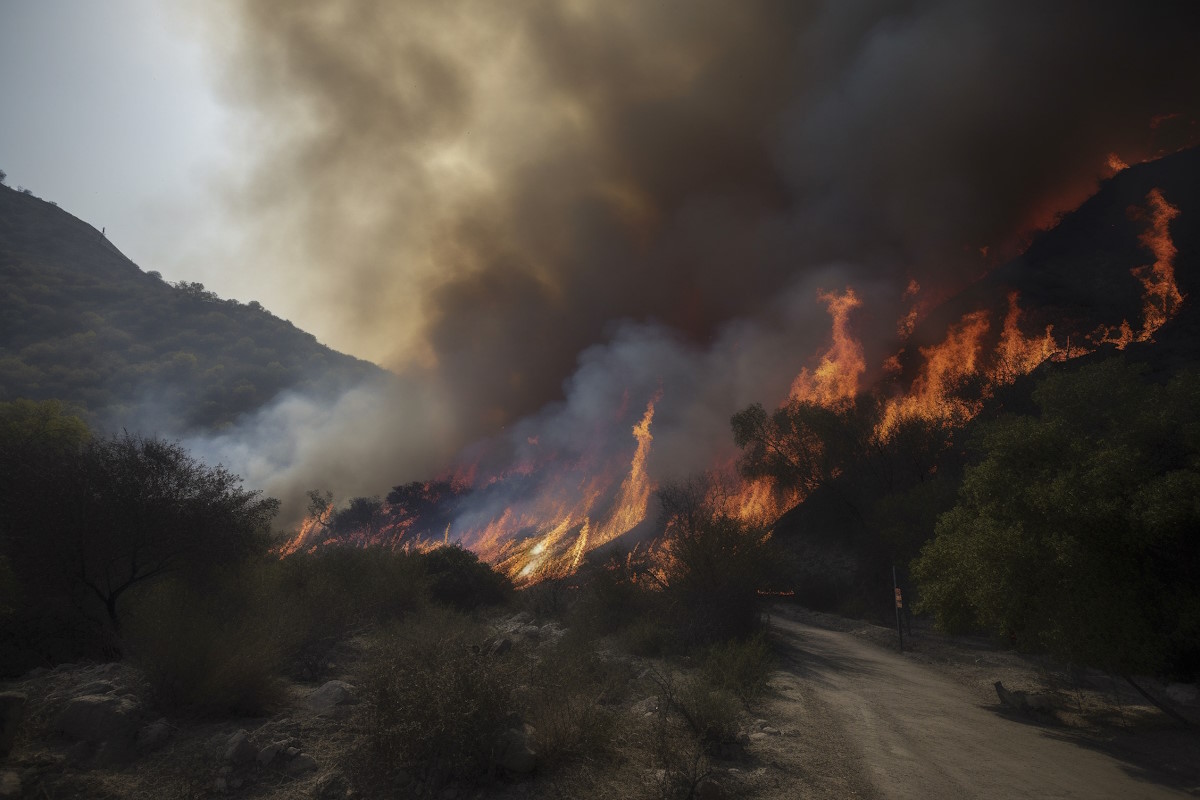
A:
<point x="867" y="722"/>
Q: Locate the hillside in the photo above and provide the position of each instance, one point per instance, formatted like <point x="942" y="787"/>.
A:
<point x="875" y="515"/>
<point x="81" y="323"/>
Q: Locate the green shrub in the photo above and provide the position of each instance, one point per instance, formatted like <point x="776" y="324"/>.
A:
<point x="456" y="578"/>
<point x="568" y="698"/>
<point x="437" y="702"/>
<point x="213" y="650"/>
<point x="711" y="713"/>
<point x="740" y="666"/>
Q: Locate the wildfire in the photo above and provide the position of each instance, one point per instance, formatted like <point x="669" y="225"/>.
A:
<point x="835" y="380"/>
<point x="1018" y="355"/>
<point x="1162" y="297"/>
<point x="947" y="367"/>
<point x="537" y="517"/>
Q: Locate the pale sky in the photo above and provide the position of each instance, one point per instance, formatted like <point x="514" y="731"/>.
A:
<point x="108" y="108"/>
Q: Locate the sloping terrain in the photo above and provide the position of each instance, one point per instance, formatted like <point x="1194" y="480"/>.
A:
<point x="81" y="323"/>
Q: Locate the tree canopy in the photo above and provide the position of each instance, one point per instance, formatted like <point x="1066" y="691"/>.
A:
<point x="89" y="518"/>
<point x="1076" y="530"/>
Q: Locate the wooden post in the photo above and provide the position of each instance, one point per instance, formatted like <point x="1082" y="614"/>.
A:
<point x="899" y="605"/>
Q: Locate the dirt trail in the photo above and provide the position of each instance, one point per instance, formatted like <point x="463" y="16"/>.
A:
<point x="868" y="722"/>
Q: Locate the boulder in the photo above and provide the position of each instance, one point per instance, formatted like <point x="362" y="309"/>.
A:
<point x="268" y="753"/>
<point x="239" y="749"/>
<point x="329" y="696"/>
<point x="99" y="718"/>
<point x="12" y="710"/>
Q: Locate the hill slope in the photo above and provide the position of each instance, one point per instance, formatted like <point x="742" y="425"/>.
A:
<point x="81" y="323"/>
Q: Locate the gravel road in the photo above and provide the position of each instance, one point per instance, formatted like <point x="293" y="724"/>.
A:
<point x="871" y="723"/>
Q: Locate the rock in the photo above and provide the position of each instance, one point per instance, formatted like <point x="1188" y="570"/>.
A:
<point x="501" y="647"/>
<point x="517" y="754"/>
<point x="10" y="784"/>
<point x="268" y="753"/>
<point x="329" y="696"/>
<point x="301" y="765"/>
<point x="708" y="789"/>
<point x="12" y="710"/>
<point x="531" y="632"/>
<point x="1024" y="702"/>
<point x="769" y="731"/>
<point x="292" y="752"/>
<point x="153" y="736"/>
<point x="99" y="718"/>
<point x="239" y="749"/>
<point x="333" y="786"/>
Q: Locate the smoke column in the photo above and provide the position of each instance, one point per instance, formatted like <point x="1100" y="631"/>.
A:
<point x="543" y="202"/>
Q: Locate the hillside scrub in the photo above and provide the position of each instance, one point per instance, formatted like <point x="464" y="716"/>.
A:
<point x="1074" y="531"/>
<point x="90" y="519"/>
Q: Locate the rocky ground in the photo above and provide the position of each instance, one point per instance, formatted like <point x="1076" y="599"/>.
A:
<point x="89" y="730"/>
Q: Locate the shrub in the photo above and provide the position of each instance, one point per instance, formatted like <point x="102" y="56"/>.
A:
<point x="741" y="667"/>
<point x="458" y="579"/>
<point x="438" y="702"/>
<point x="567" y="697"/>
<point x="215" y="649"/>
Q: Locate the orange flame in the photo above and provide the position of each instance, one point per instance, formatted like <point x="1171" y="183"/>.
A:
<point x="835" y="380"/>
<point x="1160" y="293"/>
<point x="947" y="367"/>
<point x="1016" y="354"/>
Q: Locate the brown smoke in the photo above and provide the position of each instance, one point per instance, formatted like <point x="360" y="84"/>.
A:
<point x="475" y="191"/>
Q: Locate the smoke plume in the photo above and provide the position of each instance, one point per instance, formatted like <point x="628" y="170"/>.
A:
<point x="530" y="202"/>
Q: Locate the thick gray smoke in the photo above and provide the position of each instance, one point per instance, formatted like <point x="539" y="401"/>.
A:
<point x="479" y="195"/>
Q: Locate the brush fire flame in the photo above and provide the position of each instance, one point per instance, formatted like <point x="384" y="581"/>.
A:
<point x="538" y="517"/>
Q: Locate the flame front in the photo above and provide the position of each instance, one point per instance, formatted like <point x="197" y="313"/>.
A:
<point x="537" y="517"/>
<point x="835" y="380"/>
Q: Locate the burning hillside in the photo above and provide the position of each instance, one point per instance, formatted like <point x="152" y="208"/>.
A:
<point x="536" y="500"/>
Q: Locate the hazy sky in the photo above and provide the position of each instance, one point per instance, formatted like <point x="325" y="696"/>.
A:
<point x="107" y="109"/>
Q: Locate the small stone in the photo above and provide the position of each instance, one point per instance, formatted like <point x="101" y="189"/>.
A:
<point x="332" y="694"/>
<point x="758" y="735"/>
<point x="301" y="764"/>
<point x="239" y="749"/>
<point x="501" y="647"/>
<point x="268" y="753"/>
<point x="767" y="729"/>
<point x="292" y="752"/>
<point x="10" y="784"/>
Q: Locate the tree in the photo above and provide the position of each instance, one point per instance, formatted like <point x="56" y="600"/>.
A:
<point x="1076" y="531"/>
<point x="118" y="512"/>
